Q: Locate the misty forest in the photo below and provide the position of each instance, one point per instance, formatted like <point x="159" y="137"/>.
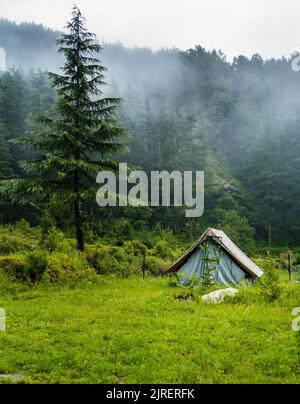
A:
<point x="239" y="122"/>
<point x="71" y="106"/>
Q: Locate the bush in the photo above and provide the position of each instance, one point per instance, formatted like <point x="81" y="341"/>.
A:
<point x="296" y="260"/>
<point x="8" y="245"/>
<point x="29" y="267"/>
<point x="163" y="250"/>
<point x="55" y="268"/>
<point x="112" y="260"/>
<point x="269" y="286"/>
<point x="193" y="281"/>
<point x="156" y="266"/>
<point x="23" y="226"/>
<point x="35" y="267"/>
<point x="123" y="230"/>
<point x="63" y="269"/>
<point x="135" y="247"/>
<point x="127" y="260"/>
<point x="239" y="298"/>
<point x="52" y="239"/>
<point x="12" y="265"/>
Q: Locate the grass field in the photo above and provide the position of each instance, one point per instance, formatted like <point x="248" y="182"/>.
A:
<point x="134" y="331"/>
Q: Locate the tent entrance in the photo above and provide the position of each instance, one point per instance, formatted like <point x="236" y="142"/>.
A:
<point x="211" y="261"/>
<point x="211" y="264"/>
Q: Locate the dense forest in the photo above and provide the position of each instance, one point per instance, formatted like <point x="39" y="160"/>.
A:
<point x="238" y="121"/>
<point x="93" y="294"/>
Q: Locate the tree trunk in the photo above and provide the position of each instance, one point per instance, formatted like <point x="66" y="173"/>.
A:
<point x="78" y="225"/>
<point x="77" y="213"/>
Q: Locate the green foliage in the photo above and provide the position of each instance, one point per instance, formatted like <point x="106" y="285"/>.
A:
<point x="193" y="282"/>
<point x="23" y="226"/>
<point x="133" y="257"/>
<point x="12" y="265"/>
<point x="112" y="261"/>
<point x="39" y="266"/>
<point x="296" y="259"/>
<point x="243" y="297"/>
<point x="203" y="123"/>
<point x="156" y="265"/>
<point x="163" y="250"/>
<point x="29" y="267"/>
<point x="52" y="239"/>
<point x="5" y="157"/>
<point x="8" y="245"/>
<point x="135" y="247"/>
<point x="269" y="283"/>
<point x="123" y="230"/>
<point x="65" y="269"/>
<point x="237" y="228"/>
<point x="36" y="264"/>
<point x="76" y="141"/>
<point x="17" y="238"/>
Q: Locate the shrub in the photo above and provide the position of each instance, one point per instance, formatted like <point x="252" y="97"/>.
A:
<point x="269" y="286"/>
<point x="34" y="268"/>
<point x="156" y="266"/>
<point x="172" y="281"/>
<point x="52" y="239"/>
<point x="296" y="260"/>
<point x="163" y="250"/>
<point x="140" y="225"/>
<point x="135" y="247"/>
<point x="111" y="260"/>
<point x="194" y="281"/>
<point x="55" y="268"/>
<point x="123" y="230"/>
<point x="239" y="298"/>
<point x="23" y="226"/>
<point x="63" y="269"/>
<point x="187" y="294"/>
<point x="12" y="265"/>
<point x="29" y="267"/>
<point x="8" y="245"/>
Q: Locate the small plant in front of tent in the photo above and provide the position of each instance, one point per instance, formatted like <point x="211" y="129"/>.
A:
<point x="210" y="266"/>
<point x="269" y="285"/>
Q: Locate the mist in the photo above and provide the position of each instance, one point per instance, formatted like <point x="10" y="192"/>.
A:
<point x="233" y="119"/>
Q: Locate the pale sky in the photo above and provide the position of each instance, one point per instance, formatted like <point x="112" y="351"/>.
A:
<point x="268" y="27"/>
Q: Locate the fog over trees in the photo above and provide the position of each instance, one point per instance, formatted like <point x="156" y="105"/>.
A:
<point x="238" y="121"/>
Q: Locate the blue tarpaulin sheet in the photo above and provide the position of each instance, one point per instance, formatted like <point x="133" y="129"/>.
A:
<point x="211" y="262"/>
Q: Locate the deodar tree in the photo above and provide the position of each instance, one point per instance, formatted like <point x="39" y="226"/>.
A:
<point x="78" y="138"/>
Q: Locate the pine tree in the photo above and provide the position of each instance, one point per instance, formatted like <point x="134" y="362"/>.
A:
<point x="77" y="141"/>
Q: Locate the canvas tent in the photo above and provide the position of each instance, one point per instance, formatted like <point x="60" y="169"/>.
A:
<point x="215" y="258"/>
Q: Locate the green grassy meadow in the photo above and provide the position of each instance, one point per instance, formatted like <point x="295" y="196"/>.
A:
<point x="138" y="331"/>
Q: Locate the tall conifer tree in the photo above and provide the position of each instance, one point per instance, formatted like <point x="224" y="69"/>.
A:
<point x="79" y="139"/>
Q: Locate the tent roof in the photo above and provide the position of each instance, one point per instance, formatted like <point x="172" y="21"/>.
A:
<point x="232" y="250"/>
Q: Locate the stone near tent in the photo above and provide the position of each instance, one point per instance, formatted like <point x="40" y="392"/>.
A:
<point x="218" y="296"/>
<point x="215" y="259"/>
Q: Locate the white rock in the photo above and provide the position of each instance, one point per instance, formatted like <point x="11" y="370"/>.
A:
<point x="219" y="295"/>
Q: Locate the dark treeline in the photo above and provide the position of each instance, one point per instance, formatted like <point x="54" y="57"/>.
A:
<point x="193" y="110"/>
